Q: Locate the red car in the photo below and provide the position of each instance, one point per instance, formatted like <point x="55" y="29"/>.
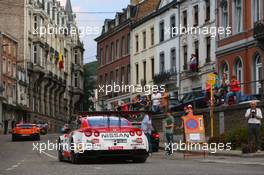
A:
<point x="25" y="131"/>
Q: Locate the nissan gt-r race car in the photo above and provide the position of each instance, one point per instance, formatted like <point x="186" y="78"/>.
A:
<point x="103" y="137"/>
<point x="25" y="131"/>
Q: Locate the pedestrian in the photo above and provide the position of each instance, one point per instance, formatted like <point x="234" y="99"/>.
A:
<point x="169" y="129"/>
<point x="147" y="103"/>
<point x="165" y="100"/>
<point x="155" y="97"/>
<point x="194" y="63"/>
<point x="5" y="127"/>
<point x="124" y="106"/>
<point x="254" y="116"/>
<point x="146" y="127"/>
<point x="234" y="90"/>
<point x="190" y="110"/>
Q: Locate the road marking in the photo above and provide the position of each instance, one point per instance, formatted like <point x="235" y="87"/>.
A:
<point x="49" y="155"/>
<point x="15" y="166"/>
<point x="9" y="169"/>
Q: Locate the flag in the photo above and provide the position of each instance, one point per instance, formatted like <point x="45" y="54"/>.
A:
<point x="61" y="63"/>
<point x="56" y="57"/>
<point x="51" y="55"/>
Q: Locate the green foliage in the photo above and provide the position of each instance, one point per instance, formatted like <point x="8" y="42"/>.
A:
<point x="89" y="85"/>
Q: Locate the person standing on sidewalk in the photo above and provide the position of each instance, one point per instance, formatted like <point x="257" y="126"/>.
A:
<point x="254" y="116"/>
<point x="146" y="127"/>
<point x="169" y="129"/>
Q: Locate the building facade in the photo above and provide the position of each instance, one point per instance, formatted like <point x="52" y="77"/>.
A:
<point x="195" y="15"/>
<point x="237" y="51"/>
<point x="113" y="55"/>
<point x="49" y="61"/>
<point x="8" y="78"/>
<point x="142" y="45"/>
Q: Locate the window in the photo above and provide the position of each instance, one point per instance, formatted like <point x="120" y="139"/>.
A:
<point x="117" y="48"/>
<point x="152" y="68"/>
<point x="58" y="19"/>
<point x="128" y="74"/>
<point x="122" y="46"/>
<point x="14" y="70"/>
<point x="196" y="46"/>
<point x="117" y="77"/>
<point x="137" y="46"/>
<point x="185" y="59"/>
<point x="76" y="80"/>
<point x="144" y="40"/>
<point x="237" y="16"/>
<point x="258" y="73"/>
<point x="112" y="51"/>
<point x="144" y="70"/>
<point x="224" y="15"/>
<point x="239" y="70"/>
<point x="196" y="16"/>
<point x="48" y="8"/>
<point x="35" y="23"/>
<point x="128" y="44"/>
<point x="173" y="60"/>
<point x="225" y="70"/>
<point x="208" y="49"/>
<point x="256" y="10"/>
<point x="112" y="78"/>
<point x="161" y="31"/>
<point x="162" y="62"/>
<point x="9" y="68"/>
<point x="152" y="35"/>
<point x="172" y="26"/>
<point x="76" y="57"/>
<point x="122" y="74"/>
<point x="137" y="74"/>
<point x="184" y="16"/>
<point x="106" y="54"/>
<point x="4" y="65"/>
<point x="208" y="10"/>
<point x="101" y="56"/>
<point x="35" y="54"/>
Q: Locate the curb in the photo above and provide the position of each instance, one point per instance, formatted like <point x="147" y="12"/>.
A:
<point x="249" y="155"/>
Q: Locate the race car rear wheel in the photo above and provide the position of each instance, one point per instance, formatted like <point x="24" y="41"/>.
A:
<point x="37" y="138"/>
<point x="139" y="160"/>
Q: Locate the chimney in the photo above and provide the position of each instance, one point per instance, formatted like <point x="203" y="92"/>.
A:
<point x="134" y="2"/>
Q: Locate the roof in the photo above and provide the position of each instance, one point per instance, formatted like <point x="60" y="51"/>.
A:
<point x="68" y="9"/>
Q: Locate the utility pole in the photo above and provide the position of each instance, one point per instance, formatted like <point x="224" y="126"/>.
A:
<point x="1" y="83"/>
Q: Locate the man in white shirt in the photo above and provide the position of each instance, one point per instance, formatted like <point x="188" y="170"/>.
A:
<point x="155" y="97"/>
<point x="254" y="116"/>
<point x="146" y="127"/>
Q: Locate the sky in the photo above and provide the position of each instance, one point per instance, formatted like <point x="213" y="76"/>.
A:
<point x="92" y="23"/>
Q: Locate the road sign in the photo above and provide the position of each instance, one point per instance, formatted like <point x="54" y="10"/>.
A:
<point x="211" y="79"/>
<point x="194" y="128"/>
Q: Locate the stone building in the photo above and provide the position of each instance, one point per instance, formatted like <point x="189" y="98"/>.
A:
<point x="49" y="61"/>
<point x="8" y="81"/>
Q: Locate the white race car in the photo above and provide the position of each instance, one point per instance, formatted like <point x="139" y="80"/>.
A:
<point x="103" y="136"/>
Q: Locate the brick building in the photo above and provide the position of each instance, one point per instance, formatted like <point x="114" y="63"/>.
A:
<point x="113" y="55"/>
<point x="237" y="53"/>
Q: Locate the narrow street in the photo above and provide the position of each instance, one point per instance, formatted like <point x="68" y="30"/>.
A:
<point x="19" y="158"/>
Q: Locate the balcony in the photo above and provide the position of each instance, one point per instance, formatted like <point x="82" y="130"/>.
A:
<point x="167" y="77"/>
<point x="259" y="33"/>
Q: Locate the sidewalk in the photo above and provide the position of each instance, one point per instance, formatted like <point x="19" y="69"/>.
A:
<point x="232" y="153"/>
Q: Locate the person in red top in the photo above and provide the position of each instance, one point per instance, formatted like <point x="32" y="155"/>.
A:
<point x="234" y="90"/>
<point x="124" y="106"/>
